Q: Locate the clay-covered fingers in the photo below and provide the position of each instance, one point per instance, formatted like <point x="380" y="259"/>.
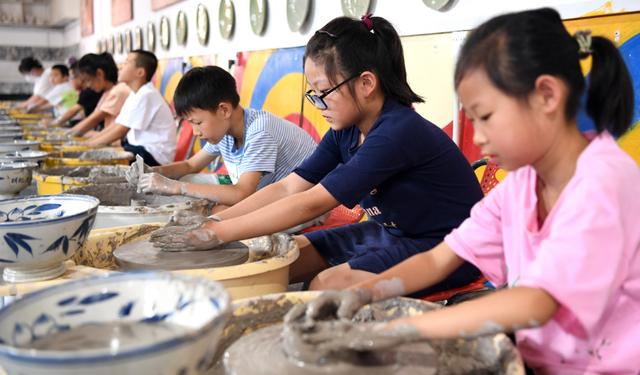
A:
<point x="186" y="217"/>
<point x="185" y="238"/>
<point x="330" y="305"/>
<point x="157" y="183"/>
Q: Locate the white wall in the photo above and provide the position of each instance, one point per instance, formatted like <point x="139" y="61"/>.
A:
<point x="410" y="17"/>
<point x="34" y="37"/>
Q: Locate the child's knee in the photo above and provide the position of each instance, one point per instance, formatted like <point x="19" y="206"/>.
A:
<point x="338" y="277"/>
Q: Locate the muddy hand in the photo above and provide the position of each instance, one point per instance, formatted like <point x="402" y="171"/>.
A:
<point x="186" y="217"/>
<point x="132" y="173"/>
<point x="337" y="336"/>
<point x="330" y="305"/>
<point x="157" y="183"/>
<point x="186" y="237"/>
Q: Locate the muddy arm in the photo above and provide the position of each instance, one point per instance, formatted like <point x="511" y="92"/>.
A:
<point x="503" y="311"/>
<point x="277" y="216"/>
<point x="416" y="273"/>
<point x="287" y="186"/>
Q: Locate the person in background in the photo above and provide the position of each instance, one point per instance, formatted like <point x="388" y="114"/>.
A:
<point x="404" y="171"/>
<point x="87" y="101"/>
<point x="145" y="124"/>
<point x="560" y="233"/>
<point x="63" y="95"/>
<point x="100" y="73"/>
<point x="258" y="148"/>
<point x="35" y="73"/>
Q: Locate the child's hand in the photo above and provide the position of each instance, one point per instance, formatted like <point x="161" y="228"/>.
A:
<point x="330" y="305"/>
<point x="310" y="343"/>
<point x="186" y="237"/>
<point x="157" y="183"/>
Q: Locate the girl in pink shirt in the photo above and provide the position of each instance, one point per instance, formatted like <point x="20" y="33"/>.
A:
<point x="561" y="233"/>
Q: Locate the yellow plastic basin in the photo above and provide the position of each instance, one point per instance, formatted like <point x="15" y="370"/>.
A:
<point x="250" y="279"/>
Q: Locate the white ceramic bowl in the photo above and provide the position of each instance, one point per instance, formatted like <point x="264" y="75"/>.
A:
<point x="8" y="136"/>
<point x="38" y="233"/>
<point x="14" y="177"/>
<point x="16" y="156"/>
<point x="19" y="145"/>
<point x="195" y="309"/>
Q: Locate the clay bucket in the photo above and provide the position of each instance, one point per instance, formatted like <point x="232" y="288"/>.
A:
<point x="71" y="158"/>
<point x="253" y="313"/>
<point x="57" y="180"/>
<point x="117" y="214"/>
<point x="254" y="278"/>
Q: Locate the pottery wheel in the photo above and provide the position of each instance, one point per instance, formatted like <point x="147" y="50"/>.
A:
<point x="261" y="353"/>
<point x="143" y="255"/>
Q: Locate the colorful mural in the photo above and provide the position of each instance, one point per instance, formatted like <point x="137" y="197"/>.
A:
<point x="272" y="79"/>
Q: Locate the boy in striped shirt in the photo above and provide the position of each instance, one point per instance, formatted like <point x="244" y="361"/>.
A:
<point x="257" y="147"/>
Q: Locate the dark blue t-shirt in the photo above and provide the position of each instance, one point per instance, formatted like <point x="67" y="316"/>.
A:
<point x="408" y="174"/>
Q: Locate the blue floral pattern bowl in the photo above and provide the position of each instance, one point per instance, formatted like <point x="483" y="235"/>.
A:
<point x="38" y="233"/>
<point x="164" y="324"/>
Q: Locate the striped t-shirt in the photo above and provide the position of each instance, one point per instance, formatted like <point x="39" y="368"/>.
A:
<point x="271" y="145"/>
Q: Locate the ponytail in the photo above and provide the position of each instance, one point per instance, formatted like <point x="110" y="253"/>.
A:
<point x="610" y="91"/>
<point x="348" y="47"/>
<point x="515" y="49"/>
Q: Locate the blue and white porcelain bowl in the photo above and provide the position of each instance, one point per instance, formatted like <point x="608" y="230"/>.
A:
<point x="14" y="177"/>
<point x="19" y="145"/>
<point x="38" y="233"/>
<point x="124" y="323"/>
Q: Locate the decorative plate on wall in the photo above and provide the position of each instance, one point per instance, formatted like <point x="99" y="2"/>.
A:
<point x="128" y="40"/>
<point x="137" y="38"/>
<point x="440" y="5"/>
<point x="202" y="24"/>
<point x="258" y="15"/>
<point x="297" y="13"/>
<point x="355" y="8"/>
<point x="165" y="32"/>
<point x="120" y="43"/>
<point x="226" y="18"/>
<point x="151" y="36"/>
<point x="181" y="28"/>
<point x="111" y="44"/>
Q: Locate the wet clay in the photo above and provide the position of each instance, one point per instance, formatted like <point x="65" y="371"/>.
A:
<point x="122" y="194"/>
<point x="482" y="355"/>
<point x="99" y="174"/>
<point x="261" y="353"/>
<point x="143" y="255"/>
<point x="98" y="155"/>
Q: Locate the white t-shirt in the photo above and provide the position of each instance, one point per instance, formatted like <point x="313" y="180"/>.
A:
<point x="57" y="95"/>
<point x="151" y="121"/>
<point x="43" y="85"/>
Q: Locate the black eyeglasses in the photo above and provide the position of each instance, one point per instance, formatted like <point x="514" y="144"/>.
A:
<point x="318" y="100"/>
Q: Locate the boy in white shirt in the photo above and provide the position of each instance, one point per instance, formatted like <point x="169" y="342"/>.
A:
<point x="145" y="118"/>
<point x="35" y="73"/>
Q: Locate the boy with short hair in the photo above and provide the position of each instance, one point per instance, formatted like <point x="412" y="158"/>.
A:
<point x="35" y="73"/>
<point x="145" y="118"/>
<point x="258" y="148"/>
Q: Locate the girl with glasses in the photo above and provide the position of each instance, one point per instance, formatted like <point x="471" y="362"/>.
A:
<point x="410" y="178"/>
